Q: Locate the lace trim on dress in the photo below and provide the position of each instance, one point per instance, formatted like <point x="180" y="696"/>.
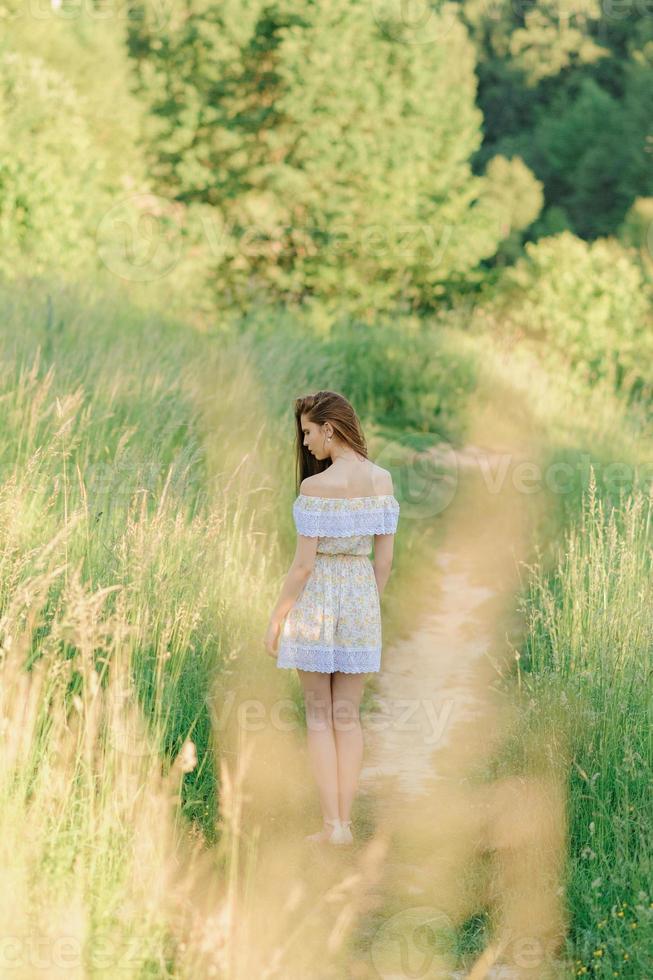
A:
<point x="348" y="660"/>
<point x="335" y="517"/>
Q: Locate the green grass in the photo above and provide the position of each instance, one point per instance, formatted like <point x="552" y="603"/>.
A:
<point x="587" y="665"/>
<point x="145" y="527"/>
<point x="583" y="679"/>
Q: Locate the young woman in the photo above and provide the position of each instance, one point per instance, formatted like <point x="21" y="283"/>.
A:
<point x="327" y="620"/>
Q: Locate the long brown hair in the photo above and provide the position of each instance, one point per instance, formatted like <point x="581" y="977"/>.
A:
<point x="321" y="407"/>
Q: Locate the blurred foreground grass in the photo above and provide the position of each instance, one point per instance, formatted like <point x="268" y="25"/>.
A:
<point x="145" y="527"/>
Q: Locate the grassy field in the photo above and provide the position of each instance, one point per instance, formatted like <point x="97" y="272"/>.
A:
<point x="145" y="528"/>
<point x="583" y="677"/>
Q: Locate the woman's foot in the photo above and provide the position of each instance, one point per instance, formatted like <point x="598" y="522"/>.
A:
<point x="342" y="833"/>
<point x="333" y="832"/>
<point x="330" y="827"/>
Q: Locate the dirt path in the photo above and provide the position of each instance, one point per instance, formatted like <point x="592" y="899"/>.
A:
<point x="458" y="845"/>
<point x="444" y="851"/>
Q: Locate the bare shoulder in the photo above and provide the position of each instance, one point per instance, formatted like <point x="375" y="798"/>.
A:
<point x="322" y="485"/>
<point x="382" y="480"/>
<point x="312" y="486"/>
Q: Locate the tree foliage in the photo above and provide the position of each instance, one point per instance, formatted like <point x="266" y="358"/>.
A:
<point x="50" y="171"/>
<point x="590" y="302"/>
<point x="336" y="157"/>
<point x="569" y="90"/>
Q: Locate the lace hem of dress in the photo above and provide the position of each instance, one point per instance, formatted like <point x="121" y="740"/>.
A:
<point x="327" y="659"/>
<point x="346" y="524"/>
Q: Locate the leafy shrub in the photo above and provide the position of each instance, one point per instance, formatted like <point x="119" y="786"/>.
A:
<point x="589" y="302"/>
<point x="50" y="171"/>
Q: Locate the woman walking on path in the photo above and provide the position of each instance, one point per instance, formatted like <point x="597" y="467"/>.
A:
<point x="327" y="620"/>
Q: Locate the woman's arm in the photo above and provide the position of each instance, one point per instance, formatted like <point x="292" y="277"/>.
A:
<point x="296" y="579"/>
<point x="383" y="552"/>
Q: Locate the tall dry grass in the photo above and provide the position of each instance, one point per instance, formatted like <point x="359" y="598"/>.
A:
<point x="585" y="674"/>
<point x="142" y="538"/>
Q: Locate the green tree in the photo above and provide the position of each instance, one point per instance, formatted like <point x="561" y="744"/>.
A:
<point x="87" y="45"/>
<point x="335" y="156"/>
<point x="570" y="91"/>
<point x="51" y="190"/>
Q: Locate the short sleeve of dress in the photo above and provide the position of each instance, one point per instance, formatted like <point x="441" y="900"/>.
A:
<point x="345" y="517"/>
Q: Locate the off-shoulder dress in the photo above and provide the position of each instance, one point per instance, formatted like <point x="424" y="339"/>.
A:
<point x="335" y="624"/>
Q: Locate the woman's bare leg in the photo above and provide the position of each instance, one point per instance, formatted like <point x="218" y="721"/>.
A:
<point x="346" y="694"/>
<point x="321" y="742"/>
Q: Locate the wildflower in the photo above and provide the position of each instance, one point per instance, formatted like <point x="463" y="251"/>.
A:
<point x="598" y="952"/>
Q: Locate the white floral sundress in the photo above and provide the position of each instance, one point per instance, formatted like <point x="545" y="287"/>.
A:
<point x="335" y="624"/>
